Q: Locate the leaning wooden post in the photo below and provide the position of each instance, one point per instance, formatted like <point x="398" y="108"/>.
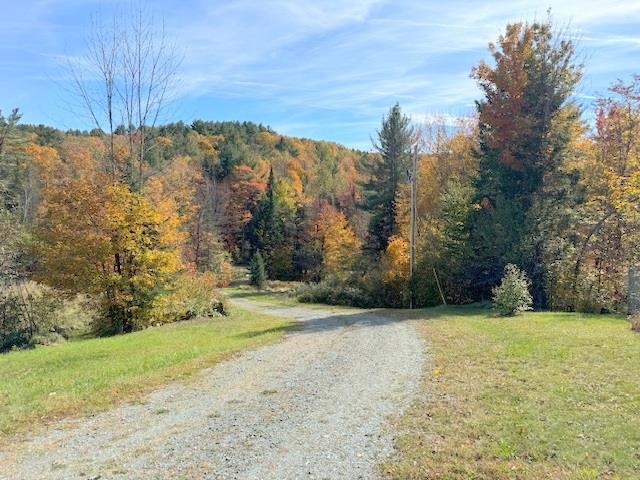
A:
<point x="634" y="297"/>
<point x="412" y="235"/>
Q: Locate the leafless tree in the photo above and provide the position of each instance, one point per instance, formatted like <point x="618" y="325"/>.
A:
<point x="123" y="79"/>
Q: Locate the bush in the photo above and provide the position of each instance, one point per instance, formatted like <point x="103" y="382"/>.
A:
<point x="334" y="292"/>
<point x="194" y="295"/>
<point x="26" y="310"/>
<point x="512" y="295"/>
<point x="191" y="295"/>
<point x="257" y="272"/>
<point x="387" y="291"/>
<point x="219" y="264"/>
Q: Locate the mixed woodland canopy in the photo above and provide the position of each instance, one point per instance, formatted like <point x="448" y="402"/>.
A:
<point x="131" y="217"/>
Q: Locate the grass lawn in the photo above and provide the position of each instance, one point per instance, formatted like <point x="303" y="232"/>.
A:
<point x="538" y="396"/>
<point x="278" y="297"/>
<point x="85" y="376"/>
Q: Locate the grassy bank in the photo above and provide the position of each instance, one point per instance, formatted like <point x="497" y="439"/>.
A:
<point x="542" y="395"/>
<point x="276" y="293"/>
<point x="281" y="294"/>
<point x="85" y="376"/>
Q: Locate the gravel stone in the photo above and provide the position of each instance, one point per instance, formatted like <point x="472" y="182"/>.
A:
<point x="312" y="406"/>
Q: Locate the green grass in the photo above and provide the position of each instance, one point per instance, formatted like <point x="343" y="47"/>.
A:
<point x="280" y="297"/>
<point x="89" y="375"/>
<point x="281" y="294"/>
<point x="538" y="396"/>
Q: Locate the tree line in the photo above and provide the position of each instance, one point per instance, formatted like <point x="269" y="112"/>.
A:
<point x="140" y="217"/>
<point x="526" y="182"/>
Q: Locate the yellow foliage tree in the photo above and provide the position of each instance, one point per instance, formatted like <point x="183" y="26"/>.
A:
<point x="339" y="245"/>
<point x="172" y="193"/>
<point x="593" y="271"/>
<point x="101" y="238"/>
<point x="396" y="259"/>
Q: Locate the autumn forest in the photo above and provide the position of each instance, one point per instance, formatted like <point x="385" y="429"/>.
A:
<point x="139" y="225"/>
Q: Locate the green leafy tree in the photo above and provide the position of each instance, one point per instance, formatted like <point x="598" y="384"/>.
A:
<point x="13" y="249"/>
<point x="16" y="169"/>
<point x="326" y="181"/>
<point x="385" y="174"/>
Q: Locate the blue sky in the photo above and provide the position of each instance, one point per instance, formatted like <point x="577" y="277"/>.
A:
<point x="322" y="69"/>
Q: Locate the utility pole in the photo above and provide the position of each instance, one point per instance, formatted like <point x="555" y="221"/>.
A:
<point x="412" y="233"/>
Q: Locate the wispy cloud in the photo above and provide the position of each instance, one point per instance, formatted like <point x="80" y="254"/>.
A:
<point x="319" y="55"/>
<point x="324" y="68"/>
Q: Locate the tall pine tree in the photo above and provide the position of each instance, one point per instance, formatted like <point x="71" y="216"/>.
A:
<point x="385" y="175"/>
<point x="526" y="123"/>
<point x="263" y="233"/>
<point x="273" y="229"/>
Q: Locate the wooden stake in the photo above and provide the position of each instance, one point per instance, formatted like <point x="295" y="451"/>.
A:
<point x="435" y="274"/>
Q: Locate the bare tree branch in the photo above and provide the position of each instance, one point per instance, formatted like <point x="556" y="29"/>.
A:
<point x="124" y="77"/>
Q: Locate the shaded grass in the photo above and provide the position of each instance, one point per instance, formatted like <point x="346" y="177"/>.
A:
<point x="274" y="297"/>
<point x="542" y="395"/>
<point x="278" y="296"/>
<point x="81" y="377"/>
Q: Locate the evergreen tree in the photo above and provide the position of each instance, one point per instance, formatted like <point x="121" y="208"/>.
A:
<point x="385" y="175"/>
<point x="512" y="295"/>
<point x="262" y="233"/>
<point x="526" y="123"/>
<point x="14" y="166"/>
<point x="258" y="274"/>
<point x="273" y="229"/>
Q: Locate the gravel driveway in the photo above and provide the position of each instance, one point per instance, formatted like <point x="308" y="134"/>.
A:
<point x="312" y="406"/>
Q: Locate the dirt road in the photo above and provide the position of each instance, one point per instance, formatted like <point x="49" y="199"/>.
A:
<point x="313" y="406"/>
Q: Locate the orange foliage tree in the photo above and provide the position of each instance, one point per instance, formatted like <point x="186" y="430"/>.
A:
<point x="246" y="190"/>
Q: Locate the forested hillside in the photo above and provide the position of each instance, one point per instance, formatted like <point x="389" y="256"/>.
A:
<point x="143" y="222"/>
<point x="83" y="215"/>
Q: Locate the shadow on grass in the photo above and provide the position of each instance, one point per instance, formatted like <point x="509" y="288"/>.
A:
<point x="439" y="312"/>
<point x="312" y="321"/>
<point x="257" y="333"/>
<point x="257" y="294"/>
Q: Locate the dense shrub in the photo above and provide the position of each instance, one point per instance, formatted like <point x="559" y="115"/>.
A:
<point x="375" y="289"/>
<point x="386" y="291"/>
<point x="218" y="263"/>
<point x="26" y="311"/>
<point x="512" y="295"/>
<point x="385" y="282"/>
<point x="192" y="295"/>
<point x="334" y="292"/>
